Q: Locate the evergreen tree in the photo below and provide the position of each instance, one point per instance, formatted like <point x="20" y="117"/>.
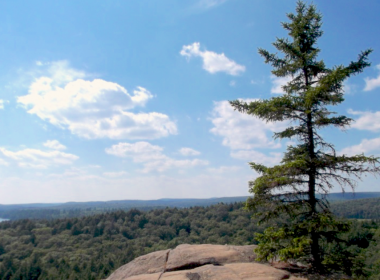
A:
<point x="312" y="165"/>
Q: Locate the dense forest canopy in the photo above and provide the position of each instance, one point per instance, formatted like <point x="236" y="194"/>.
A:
<point x="92" y="247"/>
<point x="80" y="209"/>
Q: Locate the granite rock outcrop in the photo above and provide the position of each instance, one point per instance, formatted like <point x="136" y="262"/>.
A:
<point x="200" y="262"/>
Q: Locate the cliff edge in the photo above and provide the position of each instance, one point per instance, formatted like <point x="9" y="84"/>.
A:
<point x="200" y="262"/>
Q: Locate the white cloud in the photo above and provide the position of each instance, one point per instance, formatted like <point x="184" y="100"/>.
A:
<point x="2" y="102"/>
<point x="151" y="156"/>
<point x="365" y="146"/>
<point x="54" y="144"/>
<point x="213" y="62"/>
<point x="278" y="83"/>
<point x="115" y="174"/>
<point x="372" y="83"/>
<point x="257" y="157"/>
<point x="34" y="158"/>
<point x="366" y="121"/>
<point x="242" y="131"/>
<point x="70" y="172"/>
<point x="94" y="166"/>
<point x="348" y="88"/>
<point x="224" y="169"/>
<point x="189" y="152"/>
<point x="93" y="109"/>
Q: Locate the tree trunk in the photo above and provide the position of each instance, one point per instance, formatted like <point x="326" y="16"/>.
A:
<point x="312" y="199"/>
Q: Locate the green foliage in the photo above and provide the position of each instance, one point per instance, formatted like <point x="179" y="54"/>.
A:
<point x="80" y="209"/>
<point x="311" y="166"/>
<point x="94" y="246"/>
<point x="280" y="243"/>
<point x="358" y="209"/>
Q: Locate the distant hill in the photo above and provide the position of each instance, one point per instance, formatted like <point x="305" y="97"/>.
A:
<point x="352" y="196"/>
<point x="367" y="208"/>
<point x="165" y="202"/>
<point x="75" y="209"/>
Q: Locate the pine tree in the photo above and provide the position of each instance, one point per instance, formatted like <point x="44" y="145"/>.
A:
<point x="312" y="165"/>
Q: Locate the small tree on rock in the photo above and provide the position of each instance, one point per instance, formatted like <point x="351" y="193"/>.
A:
<point x="312" y="166"/>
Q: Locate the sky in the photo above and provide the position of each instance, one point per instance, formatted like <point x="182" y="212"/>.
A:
<point x="113" y="100"/>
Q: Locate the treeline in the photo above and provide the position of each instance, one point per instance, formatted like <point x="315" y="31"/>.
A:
<point x="79" y="209"/>
<point x="344" y="205"/>
<point x="358" y="209"/>
<point x="92" y="247"/>
<point x="51" y="213"/>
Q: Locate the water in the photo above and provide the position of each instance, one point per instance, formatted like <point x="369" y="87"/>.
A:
<point x="3" y="220"/>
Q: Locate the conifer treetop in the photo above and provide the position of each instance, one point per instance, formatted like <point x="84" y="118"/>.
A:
<point x="312" y="165"/>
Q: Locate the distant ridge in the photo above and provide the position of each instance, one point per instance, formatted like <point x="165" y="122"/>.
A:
<point x="170" y="202"/>
<point x="352" y="195"/>
<point x="75" y="209"/>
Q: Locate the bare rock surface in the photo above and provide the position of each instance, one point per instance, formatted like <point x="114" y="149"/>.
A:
<point x="186" y="255"/>
<point x="235" y="271"/>
<point x="200" y="262"/>
<point x="146" y="264"/>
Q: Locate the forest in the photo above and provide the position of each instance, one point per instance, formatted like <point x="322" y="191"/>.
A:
<point x="366" y="205"/>
<point x="91" y="247"/>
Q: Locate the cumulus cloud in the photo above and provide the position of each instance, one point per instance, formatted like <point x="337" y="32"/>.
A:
<point x="224" y="169"/>
<point x="54" y="144"/>
<point x="115" y="174"/>
<point x="255" y="156"/>
<point x="212" y="62"/>
<point x="348" y="88"/>
<point x="241" y="131"/>
<point x="365" y="146"/>
<point x="1" y="104"/>
<point x="278" y="83"/>
<point x="189" y="152"/>
<point x="372" y="83"/>
<point x="366" y="121"/>
<point x="151" y="156"/>
<point x="34" y="158"/>
<point x="93" y="109"/>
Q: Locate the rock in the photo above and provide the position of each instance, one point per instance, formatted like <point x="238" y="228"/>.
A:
<point x="154" y="276"/>
<point x="251" y="271"/>
<point x="188" y="256"/>
<point x="147" y="264"/>
<point x="235" y="271"/>
<point x="292" y="267"/>
<point x="200" y="262"/>
<point x="205" y="272"/>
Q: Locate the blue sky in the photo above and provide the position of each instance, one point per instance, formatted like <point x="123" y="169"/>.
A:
<point x="105" y="100"/>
